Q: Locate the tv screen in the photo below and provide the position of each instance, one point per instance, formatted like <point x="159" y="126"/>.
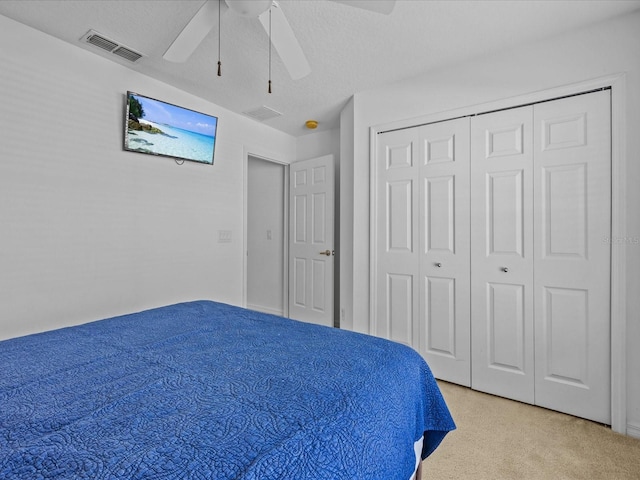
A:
<point x="160" y="128"/>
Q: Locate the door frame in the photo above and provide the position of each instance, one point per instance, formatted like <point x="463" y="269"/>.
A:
<point x="618" y="309"/>
<point x="285" y="264"/>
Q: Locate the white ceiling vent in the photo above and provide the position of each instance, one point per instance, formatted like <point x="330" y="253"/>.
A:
<point x="262" y="113"/>
<point x="100" y="41"/>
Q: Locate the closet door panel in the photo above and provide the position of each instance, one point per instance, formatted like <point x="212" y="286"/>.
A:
<point x="440" y="313"/>
<point x="444" y="321"/>
<point x="505" y="318"/>
<point x="572" y="167"/>
<point x="505" y="229"/>
<point x="439" y="216"/>
<point x="397" y="269"/>
<point x="502" y="253"/>
<point x="400" y="308"/>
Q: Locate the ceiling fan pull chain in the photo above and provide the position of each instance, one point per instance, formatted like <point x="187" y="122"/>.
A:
<point x="219" y="37"/>
<point x="269" y="90"/>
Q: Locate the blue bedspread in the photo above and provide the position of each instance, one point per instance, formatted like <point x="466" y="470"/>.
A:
<point x="204" y="390"/>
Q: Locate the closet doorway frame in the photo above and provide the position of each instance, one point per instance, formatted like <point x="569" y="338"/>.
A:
<point x="618" y="309"/>
<point x="258" y="154"/>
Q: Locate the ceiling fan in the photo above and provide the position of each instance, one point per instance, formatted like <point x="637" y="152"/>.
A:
<point x="283" y="39"/>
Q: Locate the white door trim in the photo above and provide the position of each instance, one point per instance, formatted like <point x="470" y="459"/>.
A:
<point x="617" y="83"/>
<point x="268" y="158"/>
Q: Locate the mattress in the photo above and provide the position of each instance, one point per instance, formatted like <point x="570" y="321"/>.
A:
<point x="205" y="390"/>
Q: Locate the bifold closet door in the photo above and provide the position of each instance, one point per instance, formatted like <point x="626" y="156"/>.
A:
<point x="422" y="286"/>
<point x="444" y="324"/>
<point x="397" y="261"/>
<point x="540" y="268"/>
<point x="502" y="253"/>
<point x="572" y="202"/>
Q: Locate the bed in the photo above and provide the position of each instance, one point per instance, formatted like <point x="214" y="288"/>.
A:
<point x="204" y="390"/>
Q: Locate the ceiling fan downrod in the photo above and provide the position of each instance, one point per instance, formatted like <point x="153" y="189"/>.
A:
<point x="219" y="40"/>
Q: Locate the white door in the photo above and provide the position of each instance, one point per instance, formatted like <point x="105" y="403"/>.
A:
<point x="572" y="168"/>
<point x="311" y="237"/>
<point x="540" y="268"/>
<point x="502" y="253"/>
<point x="443" y="180"/>
<point x="397" y="259"/>
<point x="422" y="248"/>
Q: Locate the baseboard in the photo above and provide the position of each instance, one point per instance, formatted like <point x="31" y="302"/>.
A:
<point x="260" y="308"/>
<point x="633" y="430"/>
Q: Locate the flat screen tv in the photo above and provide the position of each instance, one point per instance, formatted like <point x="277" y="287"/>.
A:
<point x="160" y="128"/>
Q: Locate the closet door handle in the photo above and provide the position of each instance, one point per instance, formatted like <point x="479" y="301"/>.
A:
<point x="505" y="269"/>
<point x="438" y="264"/>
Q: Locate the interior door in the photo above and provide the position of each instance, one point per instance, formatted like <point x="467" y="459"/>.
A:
<point x="502" y="253"/>
<point x="572" y="169"/>
<point x="443" y="181"/>
<point x="398" y="263"/>
<point x="422" y="249"/>
<point x="311" y="237"/>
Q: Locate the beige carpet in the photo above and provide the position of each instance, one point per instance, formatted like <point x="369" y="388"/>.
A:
<point x="499" y="439"/>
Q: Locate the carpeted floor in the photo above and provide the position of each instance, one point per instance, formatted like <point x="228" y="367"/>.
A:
<point x="500" y="439"/>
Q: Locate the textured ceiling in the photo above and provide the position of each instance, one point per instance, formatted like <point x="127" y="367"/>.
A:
<point x="349" y="49"/>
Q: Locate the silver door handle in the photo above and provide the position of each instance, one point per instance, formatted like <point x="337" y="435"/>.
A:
<point x="505" y="269"/>
<point x="326" y="252"/>
<point x="438" y="264"/>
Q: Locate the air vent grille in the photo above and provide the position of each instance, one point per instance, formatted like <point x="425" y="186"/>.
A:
<point x="262" y="113"/>
<point x="127" y="54"/>
<point x="101" y="42"/>
<point x="97" y="39"/>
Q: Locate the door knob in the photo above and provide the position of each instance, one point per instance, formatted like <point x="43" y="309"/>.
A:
<point x="505" y="269"/>
<point x="438" y="264"/>
<point x="326" y="252"/>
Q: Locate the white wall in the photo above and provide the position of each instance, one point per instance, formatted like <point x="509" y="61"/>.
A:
<point x="317" y="144"/>
<point x="88" y="230"/>
<point x="607" y="48"/>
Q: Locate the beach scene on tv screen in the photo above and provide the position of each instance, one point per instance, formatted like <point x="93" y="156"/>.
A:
<point x="160" y="128"/>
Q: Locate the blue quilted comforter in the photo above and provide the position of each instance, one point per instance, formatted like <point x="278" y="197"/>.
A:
<point x="203" y="390"/>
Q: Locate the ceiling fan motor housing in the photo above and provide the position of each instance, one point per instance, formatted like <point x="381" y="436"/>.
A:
<point x="249" y="8"/>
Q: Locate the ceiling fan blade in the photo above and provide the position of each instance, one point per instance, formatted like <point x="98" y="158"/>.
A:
<point x="285" y="42"/>
<point x="380" y="6"/>
<point x="193" y="33"/>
